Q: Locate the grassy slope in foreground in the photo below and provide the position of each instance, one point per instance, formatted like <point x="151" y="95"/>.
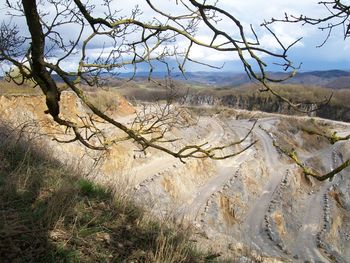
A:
<point x="50" y="214"/>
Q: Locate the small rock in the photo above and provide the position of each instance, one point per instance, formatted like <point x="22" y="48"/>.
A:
<point x="104" y="237"/>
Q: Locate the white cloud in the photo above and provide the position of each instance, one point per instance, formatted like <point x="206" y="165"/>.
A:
<point x="248" y="12"/>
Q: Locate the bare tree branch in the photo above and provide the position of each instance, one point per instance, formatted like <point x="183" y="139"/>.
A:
<point x="339" y="16"/>
<point x="310" y="171"/>
<point x="129" y="40"/>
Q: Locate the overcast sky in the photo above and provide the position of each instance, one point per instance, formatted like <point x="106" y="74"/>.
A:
<point x="333" y="55"/>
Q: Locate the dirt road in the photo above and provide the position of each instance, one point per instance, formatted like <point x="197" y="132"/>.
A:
<point x="255" y="228"/>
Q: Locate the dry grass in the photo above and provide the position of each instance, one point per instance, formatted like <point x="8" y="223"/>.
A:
<point x="104" y="99"/>
<point x="10" y="88"/>
<point x="51" y="214"/>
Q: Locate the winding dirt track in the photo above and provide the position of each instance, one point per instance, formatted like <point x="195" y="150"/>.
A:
<point x="158" y="164"/>
<point x="313" y="219"/>
<point x="224" y="170"/>
<point x="253" y="228"/>
<point x="306" y="239"/>
<point x="224" y="173"/>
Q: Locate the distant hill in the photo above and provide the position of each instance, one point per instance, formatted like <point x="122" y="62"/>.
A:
<point x="334" y="79"/>
<point x="200" y="77"/>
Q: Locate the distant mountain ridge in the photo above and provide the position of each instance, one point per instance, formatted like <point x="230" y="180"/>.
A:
<point x="335" y="79"/>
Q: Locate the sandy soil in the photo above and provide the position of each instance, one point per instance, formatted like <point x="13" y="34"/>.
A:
<point x="258" y="200"/>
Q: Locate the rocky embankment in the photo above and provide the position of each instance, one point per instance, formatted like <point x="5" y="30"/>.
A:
<point x="254" y="207"/>
<point x="269" y="104"/>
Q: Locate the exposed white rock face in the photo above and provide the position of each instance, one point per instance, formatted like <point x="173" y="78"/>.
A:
<point x="256" y="203"/>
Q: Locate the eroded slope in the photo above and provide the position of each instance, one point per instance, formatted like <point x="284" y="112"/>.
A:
<point x="257" y="203"/>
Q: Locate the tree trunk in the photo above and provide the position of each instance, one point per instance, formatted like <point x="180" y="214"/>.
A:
<point x="39" y="71"/>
